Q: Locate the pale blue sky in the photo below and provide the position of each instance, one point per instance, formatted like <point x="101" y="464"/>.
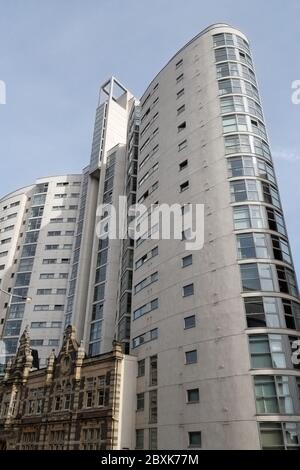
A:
<point x="54" y="54"/>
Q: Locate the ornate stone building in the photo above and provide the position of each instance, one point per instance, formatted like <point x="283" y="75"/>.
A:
<point x="76" y="402"/>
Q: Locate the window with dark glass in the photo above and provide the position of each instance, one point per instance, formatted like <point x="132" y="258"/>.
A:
<point x="262" y="312"/>
<point x="257" y="277"/>
<point x="153" y="371"/>
<point x="141" y="368"/>
<point x="252" y="245"/>
<point x="193" y="395"/>
<point x="140" y="401"/>
<point x="287" y="281"/>
<point x="195" y="439"/>
<point x="273" y="394"/>
<point x="191" y="357"/>
<point x="189" y="322"/>
<point x="267" y="351"/>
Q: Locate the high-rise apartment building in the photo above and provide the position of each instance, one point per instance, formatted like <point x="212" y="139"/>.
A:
<point x="213" y="329"/>
<point x="95" y="305"/>
<point x="37" y="225"/>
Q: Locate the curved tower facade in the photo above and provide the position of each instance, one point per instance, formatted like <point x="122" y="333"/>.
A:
<point x="37" y="227"/>
<point x="213" y="329"/>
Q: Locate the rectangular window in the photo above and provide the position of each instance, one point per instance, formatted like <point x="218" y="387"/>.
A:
<point x="223" y="39"/>
<point x="153" y="371"/>
<point x="12" y="328"/>
<point x="179" y="78"/>
<point x="179" y="64"/>
<point x="184" y="186"/>
<point x="287" y="281"/>
<point x="244" y="190"/>
<point x="153" y="406"/>
<point x="237" y="144"/>
<point x="280" y="436"/>
<point x="257" y="277"/>
<point x="241" y="166"/>
<point x="182" y="145"/>
<point x="183" y="165"/>
<point x="188" y="290"/>
<point x="273" y="395"/>
<point x="230" y="86"/>
<point x="146" y="257"/>
<point x="37" y="342"/>
<point x="139" y="439"/>
<point x="44" y="291"/>
<point x="267" y="352"/>
<point x="248" y="217"/>
<point x="146" y="282"/>
<point x="56" y="220"/>
<point x="235" y="123"/>
<point x="191" y="357"/>
<point x="231" y="104"/>
<point x="28" y="251"/>
<point x="153" y="439"/>
<point x="22" y="279"/>
<point x="180" y="93"/>
<point x="41" y="308"/>
<point x="281" y="249"/>
<point x="47" y="276"/>
<point x="262" y="312"/>
<point x="153" y="305"/>
<point x="291" y="314"/>
<point x="252" y="245"/>
<point x="228" y="69"/>
<point x="181" y="127"/>
<point x="141" y="368"/>
<point x="276" y="221"/>
<point x="187" y="261"/>
<point x="181" y="109"/>
<point x="195" y="439"/>
<point x="261" y="148"/>
<point x="193" y="395"/>
<point x="49" y="261"/>
<point x="54" y="233"/>
<point x="15" y="204"/>
<point x="140" y="401"/>
<point x="51" y="247"/>
<point x="190" y="322"/>
<point x="38" y="324"/>
<point x="145" y="338"/>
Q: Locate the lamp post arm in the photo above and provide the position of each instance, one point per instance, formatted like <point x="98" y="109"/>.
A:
<point x="11" y="295"/>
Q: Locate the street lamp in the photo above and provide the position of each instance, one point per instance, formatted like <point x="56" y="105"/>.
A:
<point x="11" y="295"/>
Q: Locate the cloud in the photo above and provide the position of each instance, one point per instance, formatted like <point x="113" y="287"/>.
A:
<point x="288" y="155"/>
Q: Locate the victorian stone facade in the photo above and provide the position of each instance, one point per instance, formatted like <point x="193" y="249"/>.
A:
<point x="74" y="403"/>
